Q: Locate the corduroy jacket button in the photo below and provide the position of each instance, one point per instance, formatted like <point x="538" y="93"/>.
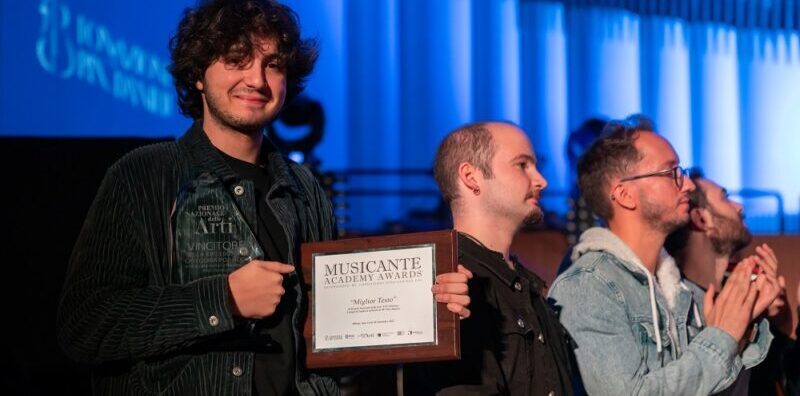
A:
<point x="238" y="190"/>
<point x="213" y="321"/>
<point x="237" y="371"/>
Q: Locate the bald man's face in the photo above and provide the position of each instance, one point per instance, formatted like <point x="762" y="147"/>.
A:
<point x="513" y="191"/>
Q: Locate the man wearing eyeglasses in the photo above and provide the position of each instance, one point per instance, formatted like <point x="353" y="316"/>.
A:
<point x="638" y="329"/>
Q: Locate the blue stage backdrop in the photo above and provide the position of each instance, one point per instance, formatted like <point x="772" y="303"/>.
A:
<point x="87" y="68"/>
<point x="720" y="79"/>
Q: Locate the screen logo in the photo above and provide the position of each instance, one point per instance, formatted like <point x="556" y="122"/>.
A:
<point x="72" y="46"/>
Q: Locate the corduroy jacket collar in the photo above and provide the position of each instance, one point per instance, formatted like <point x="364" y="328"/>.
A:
<point x="206" y="157"/>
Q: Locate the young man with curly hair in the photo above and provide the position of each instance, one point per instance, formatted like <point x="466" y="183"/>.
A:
<point x="183" y="280"/>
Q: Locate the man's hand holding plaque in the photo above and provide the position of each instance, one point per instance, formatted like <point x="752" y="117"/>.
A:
<point x="376" y="300"/>
<point x="451" y="289"/>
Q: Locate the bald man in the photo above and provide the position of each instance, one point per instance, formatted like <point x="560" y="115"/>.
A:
<point x="513" y="343"/>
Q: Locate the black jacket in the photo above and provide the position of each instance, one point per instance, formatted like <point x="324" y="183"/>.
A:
<point x="512" y="344"/>
<point x="127" y="309"/>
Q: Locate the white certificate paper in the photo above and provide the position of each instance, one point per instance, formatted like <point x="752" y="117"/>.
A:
<point x="374" y="298"/>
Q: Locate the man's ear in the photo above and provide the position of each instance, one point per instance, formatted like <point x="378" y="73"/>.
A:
<point x="469" y="176"/>
<point x="701" y="219"/>
<point x="622" y="196"/>
<point x="199" y="85"/>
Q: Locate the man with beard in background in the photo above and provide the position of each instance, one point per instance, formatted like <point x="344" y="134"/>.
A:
<point x="704" y="250"/>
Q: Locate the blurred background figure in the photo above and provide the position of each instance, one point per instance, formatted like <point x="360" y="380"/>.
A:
<point x="707" y="248"/>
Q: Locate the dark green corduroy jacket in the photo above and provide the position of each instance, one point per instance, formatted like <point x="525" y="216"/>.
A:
<point x="122" y="310"/>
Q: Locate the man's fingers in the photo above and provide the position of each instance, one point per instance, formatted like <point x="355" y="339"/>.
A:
<point x="744" y="271"/>
<point x="463" y="270"/>
<point x="450" y="288"/>
<point x="767" y="278"/>
<point x="778" y="303"/>
<point x="750" y="299"/>
<point x="762" y="283"/>
<point x="763" y="265"/>
<point x="774" y="285"/>
<point x="766" y="265"/>
<point x="769" y="259"/>
<point x="452" y="277"/>
<point x="740" y="269"/>
<point x="276" y="266"/>
<point x="770" y="252"/>
<point x="736" y="287"/>
<point x="459" y="310"/>
<point x="453" y="299"/>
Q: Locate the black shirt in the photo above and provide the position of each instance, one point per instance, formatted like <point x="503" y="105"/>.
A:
<point x="512" y="344"/>
<point x="275" y="366"/>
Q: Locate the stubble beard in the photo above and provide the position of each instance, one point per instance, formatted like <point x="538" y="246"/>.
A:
<point x="228" y="120"/>
<point x="503" y="208"/>
<point x="731" y="235"/>
<point x="534" y="216"/>
<point x="654" y="217"/>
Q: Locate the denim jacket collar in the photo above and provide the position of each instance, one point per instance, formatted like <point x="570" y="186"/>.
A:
<point x="602" y="239"/>
<point x="667" y="275"/>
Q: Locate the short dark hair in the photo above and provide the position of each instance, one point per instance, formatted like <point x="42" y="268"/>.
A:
<point x="230" y="30"/>
<point x="470" y="143"/>
<point x="610" y="155"/>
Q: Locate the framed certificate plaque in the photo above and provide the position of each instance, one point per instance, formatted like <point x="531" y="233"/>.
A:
<point x="370" y="300"/>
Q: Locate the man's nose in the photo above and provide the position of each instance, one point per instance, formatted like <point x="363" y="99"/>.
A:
<point x="688" y="184"/>
<point x="255" y="76"/>
<point x="538" y="181"/>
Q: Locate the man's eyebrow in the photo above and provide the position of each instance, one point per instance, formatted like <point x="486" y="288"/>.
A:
<point x="271" y="57"/>
<point x="669" y="164"/>
<point x="527" y="157"/>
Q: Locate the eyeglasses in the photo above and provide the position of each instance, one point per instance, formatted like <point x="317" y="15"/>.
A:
<point x="676" y="172"/>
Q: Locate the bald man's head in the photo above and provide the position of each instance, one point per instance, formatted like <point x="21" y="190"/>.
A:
<point x="471" y="143"/>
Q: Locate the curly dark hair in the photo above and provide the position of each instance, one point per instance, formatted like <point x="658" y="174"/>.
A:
<point x="230" y="30"/>
<point x="610" y="155"/>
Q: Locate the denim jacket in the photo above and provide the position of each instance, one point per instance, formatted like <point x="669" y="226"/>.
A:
<point x="142" y="308"/>
<point x="638" y="333"/>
